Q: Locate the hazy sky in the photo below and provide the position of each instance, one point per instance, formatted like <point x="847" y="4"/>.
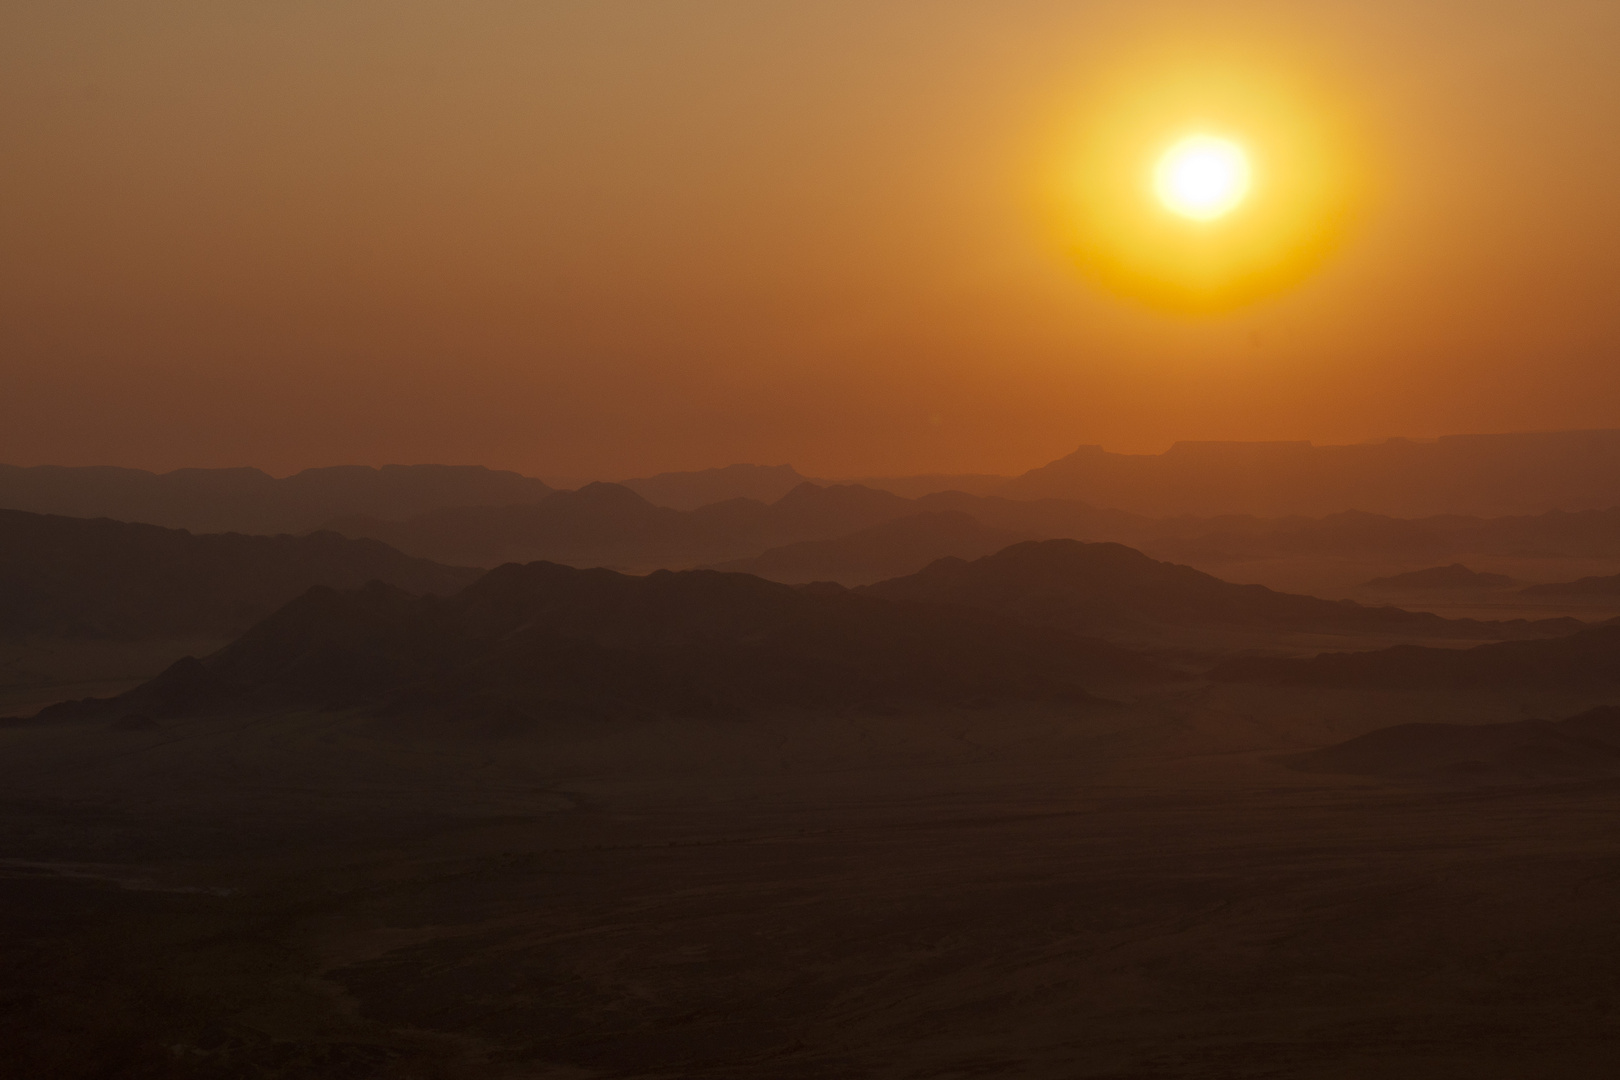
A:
<point x="609" y="237"/>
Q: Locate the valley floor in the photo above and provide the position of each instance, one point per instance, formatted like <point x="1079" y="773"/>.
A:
<point x="1140" y="892"/>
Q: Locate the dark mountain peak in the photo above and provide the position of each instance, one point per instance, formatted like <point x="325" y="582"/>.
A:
<point x="600" y="494"/>
<point x="813" y="496"/>
<point x="1482" y="474"/>
<point x="1081" y="455"/>
<point x="890" y="548"/>
<point x="1041" y="564"/>
<point x="112" y="579"/>
<point x="323" y="613"/>
<point x="690" y="490"/>
<point x="1221" y="450"/>
<point x="929" y="521"/>
<point x="1101" y="588"/>
<point x="541" y="639"/>
<point x="606" y="606"/>
<point x="341" y="474"/>
<point x="251" y="501"/>
<point x="803" y="491"/>
<point x="1066" y="555"/>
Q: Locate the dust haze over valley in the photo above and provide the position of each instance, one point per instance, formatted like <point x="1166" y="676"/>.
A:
<point x="623" y="542"/>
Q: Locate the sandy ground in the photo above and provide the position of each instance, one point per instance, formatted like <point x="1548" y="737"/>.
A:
<point x="1134" y="892"/>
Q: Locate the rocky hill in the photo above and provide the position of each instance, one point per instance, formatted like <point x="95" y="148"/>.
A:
<point x="530" y="643"/>
<point x="1108" y="588"/>
<point x="112" y="579"/>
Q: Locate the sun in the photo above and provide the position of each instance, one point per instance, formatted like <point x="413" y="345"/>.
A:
<point x="1200" y="180"/>
<point x="1203" y="177"/>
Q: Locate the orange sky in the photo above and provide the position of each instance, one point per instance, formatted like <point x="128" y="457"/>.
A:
<point x="610" y="238"/>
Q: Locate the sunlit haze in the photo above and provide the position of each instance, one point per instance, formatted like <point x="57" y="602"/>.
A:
<point x="876" y="238"/>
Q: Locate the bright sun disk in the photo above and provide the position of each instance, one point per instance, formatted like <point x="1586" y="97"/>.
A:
<point x="1202" y="177"/>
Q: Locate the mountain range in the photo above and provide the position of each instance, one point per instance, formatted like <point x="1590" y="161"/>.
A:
<point x="882" y="551"/>
<point x="111" y="579"/>
<point x="611" y="525"/>
<point x="524" y="643"/>
<point x="690" y="490"/>
<point x="1480" y="475"/>
<point x="1455" y="576"/>
<point x="1506" y="474"/>
<point x="1109" y="589"/>
<point x="1555" y="533"/>
<point x="251" y="501"/>
<point x="542" y="642"/>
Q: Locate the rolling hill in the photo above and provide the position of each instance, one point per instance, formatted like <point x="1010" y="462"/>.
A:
<point x="1455" y="576"/>
<point x="1490" y="474"/>
<point x="1108" y="588"/>
<point x="251" y="501"/>
<point x="690" y="490"/>
<point x="111" y="579"/>
<point x="610" y="525"/>
<point x="891" y="549"/>
<point x="527" y="643"/>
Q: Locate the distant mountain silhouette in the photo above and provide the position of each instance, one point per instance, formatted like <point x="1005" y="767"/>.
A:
<point x="1586" y="659"/>
<point x="610" y="525"/>
<point x="1484" y="475"/>
<point x="1456" y="474"/>
<point x="1049" y="519"/>
<point x="1587" y="745"/>
<point x="1593" y="587"/>
<point x="1104" y="588"/>
<point x="250" y="501"/>
<point x="916" y="487"/>
<point x="1583" y="534"/>
<point x="528" y="643"/>
<point x="690" y="490"/>
<point x="1455" y="576"/>
<point x="902" y="546"/>
<point x="100" y="578"/>
<point x="477" y="516"/>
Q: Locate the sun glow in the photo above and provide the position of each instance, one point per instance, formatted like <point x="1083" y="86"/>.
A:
<point x="1196" y="184"/>
<point x="1202" y="177"/>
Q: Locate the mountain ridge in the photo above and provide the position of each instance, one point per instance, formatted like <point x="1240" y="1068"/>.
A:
<point x="544" y="641"/>
<point x="889" y="549"/>
<point x="249" y="500"/>
<point x="1484" y="474"/>
<point x="1101" y="588"/>
<point x="123" y="580"/>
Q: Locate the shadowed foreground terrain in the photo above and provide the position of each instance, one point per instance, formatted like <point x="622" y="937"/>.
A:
<point x="1583" y="746"/>
<point x="1024" y="891"/>
<point x="576" y="825"/>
